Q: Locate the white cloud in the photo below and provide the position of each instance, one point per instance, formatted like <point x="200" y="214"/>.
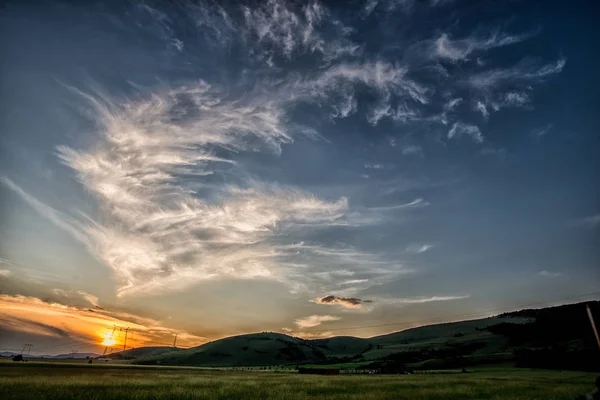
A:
<point x="591" y="221"/>
<point x="523" y="72"/>
<point x="541" y="132"/>
<point x="281" y="28"/>
<point x="516" y="99"/>
<point x="314" y="320"/>
<point x="421" y="300"/>
<point x="460" y="129"/>
<point x="452" y="104"/>
<point x="412" y="149"/>
<point x="374" y="166"/>
<point x="419" y="202"/>
<point x="550" y="274"/>
<point x="419" y="248"/>
<point x="460" y="49"/>
<point x="156" y="234"/>
<point x="354" y="281"/>
<point x="482" y="109"/>
<point x="499" y="153"/>
<point x="5" y="273"/>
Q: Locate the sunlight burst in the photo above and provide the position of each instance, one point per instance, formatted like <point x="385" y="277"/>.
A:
<point x="109" y="342"/>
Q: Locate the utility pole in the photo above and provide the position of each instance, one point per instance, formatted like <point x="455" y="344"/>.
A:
<point x="175" y="341"/>
<point x="26" y="346"/>
<point x="589" y="312"/>
<point x="125" y="340"/>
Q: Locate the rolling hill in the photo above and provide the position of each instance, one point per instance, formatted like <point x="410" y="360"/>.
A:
<point x="254" y="349"/>
<point x="556" y="337"/>
<point x="142" y="352"/>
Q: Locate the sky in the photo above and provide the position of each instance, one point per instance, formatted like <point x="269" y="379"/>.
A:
<point x="313" y="168"/>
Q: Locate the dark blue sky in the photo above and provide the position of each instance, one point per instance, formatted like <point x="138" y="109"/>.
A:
<point x="240" y="162"/>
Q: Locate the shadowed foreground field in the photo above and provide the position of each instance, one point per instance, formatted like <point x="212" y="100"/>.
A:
<point x="23" y="381"/>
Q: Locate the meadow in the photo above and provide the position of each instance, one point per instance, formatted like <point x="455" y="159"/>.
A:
<point x="98" y="382"/>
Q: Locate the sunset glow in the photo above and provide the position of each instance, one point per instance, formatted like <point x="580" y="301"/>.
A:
<point x="109" y="342"/>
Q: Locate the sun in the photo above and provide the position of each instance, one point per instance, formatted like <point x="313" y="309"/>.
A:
<point x="109" y="342"/>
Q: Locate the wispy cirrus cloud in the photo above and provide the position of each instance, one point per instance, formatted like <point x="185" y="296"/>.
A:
<point x="463" y="129"/>
<point x="419" y="248"/>
<point x="460" y="49"/>
<point x="281" y="29"/>
<point x="175" y="203"/>
<point x="419" y="202"/>
<point x="421" y="300"/>
<point x="541" y="132"/>
<point x="521" y="74"/>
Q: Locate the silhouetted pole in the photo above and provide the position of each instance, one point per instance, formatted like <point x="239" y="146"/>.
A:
<point x="175" y="341"/>
<point x="125" y="341"/>
<point x="589" y="311"/>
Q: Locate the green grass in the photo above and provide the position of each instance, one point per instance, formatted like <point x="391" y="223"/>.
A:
<point x="47" y="381"/>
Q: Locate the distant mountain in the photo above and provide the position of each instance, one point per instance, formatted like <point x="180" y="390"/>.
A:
<point x="75" y="355"/>
<point x="66" y="355"/>
<point x="555" y="337"/>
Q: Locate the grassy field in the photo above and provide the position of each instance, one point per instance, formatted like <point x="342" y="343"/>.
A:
<point x="48" y="381"/>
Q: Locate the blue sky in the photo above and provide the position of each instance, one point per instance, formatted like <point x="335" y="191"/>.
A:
<point x="298" y="167"/>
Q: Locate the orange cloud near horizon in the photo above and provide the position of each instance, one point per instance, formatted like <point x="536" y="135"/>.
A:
<point x="97" y="327"/>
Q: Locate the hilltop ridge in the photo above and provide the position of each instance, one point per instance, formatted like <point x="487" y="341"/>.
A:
<point x="555" y="337"/>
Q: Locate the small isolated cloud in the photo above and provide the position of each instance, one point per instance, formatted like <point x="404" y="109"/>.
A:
<point x="541" y="132"/>
<point x="499" y="153"/>
<point x="178" y="44"/>
<point x="452" y="104"/>
<point x="515" y="99"/>
<point x="314" y="320"/>
<point x="462" y="129"/>
<point x="550" y="274"/>
<point x="419" y="248"/>
<point x="412" y="150"/>
<point x="482" y="108"/>
<point x="374" y="166"/>
<point x="346" y="302"/>
<point x="4" y="273"/>
<point x="419" y="202"/>
<point x="591" y="221"/>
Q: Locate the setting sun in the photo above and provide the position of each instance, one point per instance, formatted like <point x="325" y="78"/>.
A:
<point x="109" y="342"/>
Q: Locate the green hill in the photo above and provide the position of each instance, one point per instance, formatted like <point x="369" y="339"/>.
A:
<point x="556" y="337"/>
<point x="245" y="350"/>
<point x="142" y="352"/>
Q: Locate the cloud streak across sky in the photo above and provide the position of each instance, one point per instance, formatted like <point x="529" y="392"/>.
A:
<point x="230" y="144"/>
